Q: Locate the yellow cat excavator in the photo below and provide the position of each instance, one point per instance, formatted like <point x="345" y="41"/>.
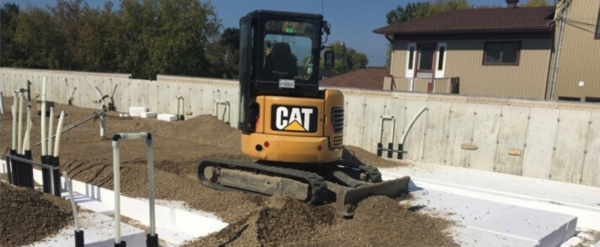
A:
<point x="293" y="129"/>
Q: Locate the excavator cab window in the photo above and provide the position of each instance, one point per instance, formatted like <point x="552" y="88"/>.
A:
<point x="279" y="55"/>
<point x="288" y="47"/>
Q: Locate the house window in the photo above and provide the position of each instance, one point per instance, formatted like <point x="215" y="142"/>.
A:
<point x="425" y="58"/>
<point x="501" y="53"/>
<point x="598" y="26"/>
<point x="411" y="57"/>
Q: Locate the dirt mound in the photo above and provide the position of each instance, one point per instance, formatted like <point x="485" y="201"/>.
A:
<point x="29" y="216"/>
<point x="254" y="220"/>
<point x="281" y="221"/>
<point x="379" y="221"/>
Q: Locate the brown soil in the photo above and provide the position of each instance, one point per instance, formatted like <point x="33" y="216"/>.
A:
<point x="178" y="147"/>
<point x="29" y="216"/>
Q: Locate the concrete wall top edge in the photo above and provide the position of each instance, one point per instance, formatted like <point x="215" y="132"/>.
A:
<point x="113" y="75"/>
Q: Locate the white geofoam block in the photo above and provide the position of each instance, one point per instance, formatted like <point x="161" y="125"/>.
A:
<point x="167" y="117"/>
<point x="135" y="111"/>
<point x="148" y="114"/>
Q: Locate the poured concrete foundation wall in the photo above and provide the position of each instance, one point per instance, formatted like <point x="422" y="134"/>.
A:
<point x="547" y="140"/>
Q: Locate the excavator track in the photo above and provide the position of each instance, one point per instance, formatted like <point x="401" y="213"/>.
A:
<point x="317" y="187"/>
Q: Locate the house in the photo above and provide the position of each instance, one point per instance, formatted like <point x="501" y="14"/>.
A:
<point x="366" y="78"/>
<point x="575" y="66"/>
<point x="533" y="53"/>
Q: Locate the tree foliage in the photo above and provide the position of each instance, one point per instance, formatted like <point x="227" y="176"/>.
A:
<point x="142" y="37"/>
<point x="536" y="3"/>
<point x="347" y="59"/>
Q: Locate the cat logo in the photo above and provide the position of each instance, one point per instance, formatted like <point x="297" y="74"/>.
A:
<point x="294" y="118"/>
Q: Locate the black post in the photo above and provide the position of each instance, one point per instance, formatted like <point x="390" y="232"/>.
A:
<point x="122" y="244"/>
<point x="379" y="149"/>
<point x="152" y="241"/>
<point x="79" y="239"/>
<point x="46" y="175"/>
<point x="28" y="171"/>
<point x="56" y="176"/>
<point x="18" y="166"/>
<point x="12" y="168"/>
<point x="390" y="148"/>
<point x="400" y="151"/>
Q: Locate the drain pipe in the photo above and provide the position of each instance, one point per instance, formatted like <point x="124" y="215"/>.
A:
<point x="391" y="143"/>
<point x="13" y="146"/>
<point x="27" y="168"/>
<point x="55" y="161"/>
<point x="51" y="121"/>
<point x="152" y="237"/>
<point x="180" y="117"/>
<point x="18" y="166"/>
<point x="79" y="240"/>
<point x="412" y="122"/>
<point x="45" y="171"/>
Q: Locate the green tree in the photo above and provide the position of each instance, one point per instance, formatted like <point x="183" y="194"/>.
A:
<point x="223" y="54"/>
<point x="184" y="30"/>
<point x="536" y="3"/>
<point x="40" y="41"/>
<point x="347" y="59"/>
<point x="9" y="51"/>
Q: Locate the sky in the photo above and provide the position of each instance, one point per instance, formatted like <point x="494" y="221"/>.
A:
<point x="352" y="21"/>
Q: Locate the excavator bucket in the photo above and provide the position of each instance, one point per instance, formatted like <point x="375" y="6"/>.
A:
<point x="345" y="196"/>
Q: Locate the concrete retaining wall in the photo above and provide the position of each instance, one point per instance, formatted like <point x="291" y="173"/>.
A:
<point x="548" y="140"/>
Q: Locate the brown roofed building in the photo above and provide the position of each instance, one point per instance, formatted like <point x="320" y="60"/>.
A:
<point x="366" y="78"/>
<point x="535" y="53"/>
<point x="494" y="52"/>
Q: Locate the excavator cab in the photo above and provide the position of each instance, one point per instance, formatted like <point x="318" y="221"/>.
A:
<point x="293" y="129"/>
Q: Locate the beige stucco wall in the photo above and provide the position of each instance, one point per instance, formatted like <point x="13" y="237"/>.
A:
<point x="579" y="58"/>
<point x="464" y="60"/>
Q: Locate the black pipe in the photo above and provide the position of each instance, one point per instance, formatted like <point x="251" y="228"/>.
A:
<point x="390" y="150"/>
<point x="18" y="166"/>
<point x="79" y="239"/>
<point x="379" y="149"/>
<point x="152" y="241"/>
<point x="47" y="187"/>
<point x="28" y="171"/>
<point x="12" y="168"/>
<point x="122" y="244"/>
<point x="400" y="151"/>
<point x="55" y="161"/>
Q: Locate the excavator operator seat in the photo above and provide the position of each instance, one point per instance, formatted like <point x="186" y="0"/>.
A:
<point x="281" y="62"/>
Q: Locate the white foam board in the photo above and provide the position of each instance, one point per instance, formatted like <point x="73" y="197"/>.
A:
<point x="98" y="231"/>
<point x="148" y="115"/>
<point x="167" y="117"/>
<point x="135" y="111"/>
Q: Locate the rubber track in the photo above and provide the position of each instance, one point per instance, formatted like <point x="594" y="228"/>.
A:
<point x="372" y="172"/>
<point x="317" y="185"/>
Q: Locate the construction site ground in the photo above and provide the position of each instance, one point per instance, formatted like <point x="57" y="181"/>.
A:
<point x="254" y="220"/>
<point x="178" y="146"/>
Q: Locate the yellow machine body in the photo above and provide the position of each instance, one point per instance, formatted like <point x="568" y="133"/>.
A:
<point x="283" y="129"/>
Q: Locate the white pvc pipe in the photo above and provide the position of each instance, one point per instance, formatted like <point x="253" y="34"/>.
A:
<point x="58" y="130"/>
<point x="140" y="135"/>
<point x="102" y="124"/>
<point x="411" y="124"/>
<point x="151" y="186"/>
<point x="14" y="123"/>
<point x="43" y="131"/>
<point x="14" y="126"/>
<point x="51" y="120"/>
<point x="69" y="182"/>
<point x="27" y="138"/>
<point x="117" y="191"/>
<point x="20" y="127"/>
